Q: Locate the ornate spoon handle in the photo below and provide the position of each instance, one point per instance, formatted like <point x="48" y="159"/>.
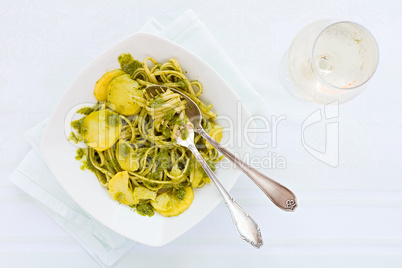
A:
<point x="246" y="227"/>
<point x="281" y="196"/>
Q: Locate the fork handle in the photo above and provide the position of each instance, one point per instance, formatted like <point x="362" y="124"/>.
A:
<point x="245" y="225"/>
<point x="281" y="196"/>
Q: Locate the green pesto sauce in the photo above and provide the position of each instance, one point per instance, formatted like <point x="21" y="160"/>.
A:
<point x="157" y="102"/>
<point x="83" y="130"/>
<point x="177" y="121"/>
<point x="131" y="67"/>
<point x="145" y="210"/>
<point x="74" y="138"/>
<point x="166" y="132"/>
<point x="151" y="184"/>
<point x="87" y="165"/>
<point x="113" y="119"/>
<point x="112" y="163"/>
<point x="119" y="196"/>
<point x="180" y="122"/>
<point x="182" y="84"/>
<point x="80" y="154"/>
<point x="184" y="133"/>
<point x="85" y="110"/>
<point x="169" y="115"/>
<point x="155" y="175"/>
<point x="125" y="59"/>
<point x="163" y="161"/>
<point x="77" y="124"/>
<point x="128" y="64"/>
<point x="124" y="150"/>
<point x="115" y="162"/>
<point x="180" y="193"/>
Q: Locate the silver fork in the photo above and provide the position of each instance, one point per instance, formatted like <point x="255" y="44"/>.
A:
<point x="245" y="225"/>
<point x="281" y="196"/>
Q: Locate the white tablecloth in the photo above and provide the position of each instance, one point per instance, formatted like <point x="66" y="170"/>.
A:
<point x="349" y="216"/>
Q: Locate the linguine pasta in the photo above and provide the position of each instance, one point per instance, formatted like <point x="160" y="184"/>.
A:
<point x="129" y="137"/>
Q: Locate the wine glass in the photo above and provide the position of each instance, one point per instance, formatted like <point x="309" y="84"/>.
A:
<point x="329" y="60"/>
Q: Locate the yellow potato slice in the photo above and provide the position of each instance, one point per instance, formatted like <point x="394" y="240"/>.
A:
<point x="162" y="202"/>
<point x="143" y="193"/>
<point x="102" y="84"/>
<point x="216" y="134"/>
<point x="119" y="189"/>
<point x="126" y="157"/>
<point x="169" y="205"/>
<point x="120" y="92"/>
<point x="101" y="129"/>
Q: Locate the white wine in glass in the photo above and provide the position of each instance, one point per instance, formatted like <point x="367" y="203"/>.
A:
<point x="329" y="60"/>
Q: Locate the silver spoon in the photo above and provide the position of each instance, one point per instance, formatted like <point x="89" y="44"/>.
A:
<point x="281" y="196"/>
<point x="245" y="225"/>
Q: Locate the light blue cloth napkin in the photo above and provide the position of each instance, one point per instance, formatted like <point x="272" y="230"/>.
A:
<point x="33" y="176"/>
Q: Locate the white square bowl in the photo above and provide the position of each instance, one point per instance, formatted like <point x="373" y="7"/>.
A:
<point x="84" y="188"/>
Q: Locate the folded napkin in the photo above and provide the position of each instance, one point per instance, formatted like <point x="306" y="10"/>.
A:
<point x="33" y="176"/>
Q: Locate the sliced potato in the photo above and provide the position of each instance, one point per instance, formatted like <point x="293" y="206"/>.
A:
<point x="143" y="193"/>
<point x="169" y="205"/>
<point x="162" y="202"/>
<point x="119" y="189"/>
<point x="120" y="95"/>
<point x="102" y="84"/>
<point x="101" y="129"/>
<point x="216" y="134"/>
<point x="126" y="157"/>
